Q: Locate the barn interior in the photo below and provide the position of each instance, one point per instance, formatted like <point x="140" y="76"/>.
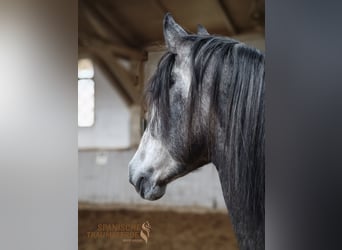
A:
<point x="120" y="43"/>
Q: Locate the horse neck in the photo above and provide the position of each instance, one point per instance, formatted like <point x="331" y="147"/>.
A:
<point x="247" y="223"/>
<point x="240" y="162"/>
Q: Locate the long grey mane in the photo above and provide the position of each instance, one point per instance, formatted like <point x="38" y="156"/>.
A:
<point x="236" y="123"/>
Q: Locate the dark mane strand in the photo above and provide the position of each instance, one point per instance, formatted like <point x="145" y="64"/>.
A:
<point x="157" y="93"/>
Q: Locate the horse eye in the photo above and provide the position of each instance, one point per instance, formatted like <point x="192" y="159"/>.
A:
<point x="172" y="80"/>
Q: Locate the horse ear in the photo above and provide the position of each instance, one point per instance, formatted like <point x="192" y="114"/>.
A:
<point x="201" y="30"/>
<point x="173" y="33"/>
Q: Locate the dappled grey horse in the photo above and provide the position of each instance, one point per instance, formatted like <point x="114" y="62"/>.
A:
<point x="205" y="103"/>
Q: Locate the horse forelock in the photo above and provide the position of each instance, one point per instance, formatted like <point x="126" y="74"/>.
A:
<point x="156" y="94"/>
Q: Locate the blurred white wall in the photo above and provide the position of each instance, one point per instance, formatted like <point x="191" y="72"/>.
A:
<point x="112" y="118"/>
<point x="103" y="178"/>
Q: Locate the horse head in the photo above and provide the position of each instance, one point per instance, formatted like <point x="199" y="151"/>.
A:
<point x="169" y="148"/>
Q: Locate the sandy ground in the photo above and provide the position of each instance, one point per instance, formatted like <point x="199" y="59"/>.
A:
<point x="170" y="229"/>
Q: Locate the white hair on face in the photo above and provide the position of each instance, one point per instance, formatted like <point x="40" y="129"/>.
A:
<point x="152" y="155"/>
<point x="182" y="75"/>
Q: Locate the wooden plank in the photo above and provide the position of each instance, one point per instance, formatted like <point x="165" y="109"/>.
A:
<point x="227" y="19"/>
<point x="96" y="22"/>
<point x="129" y="81"/>
<point x="109" y="23"/>
<point x="113" y="79"/>
<point x="125" y="80"/>
<point x="119" y="50"/>
<point x="122" y="76"/>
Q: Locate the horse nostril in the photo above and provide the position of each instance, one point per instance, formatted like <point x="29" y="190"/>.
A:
<point x="140" y="184"/>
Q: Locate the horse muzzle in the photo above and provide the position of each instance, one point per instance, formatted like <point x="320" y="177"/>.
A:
<point x="147" y="188"/>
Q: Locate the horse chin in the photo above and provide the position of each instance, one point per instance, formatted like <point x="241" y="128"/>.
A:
<point x="153" y="193"/>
